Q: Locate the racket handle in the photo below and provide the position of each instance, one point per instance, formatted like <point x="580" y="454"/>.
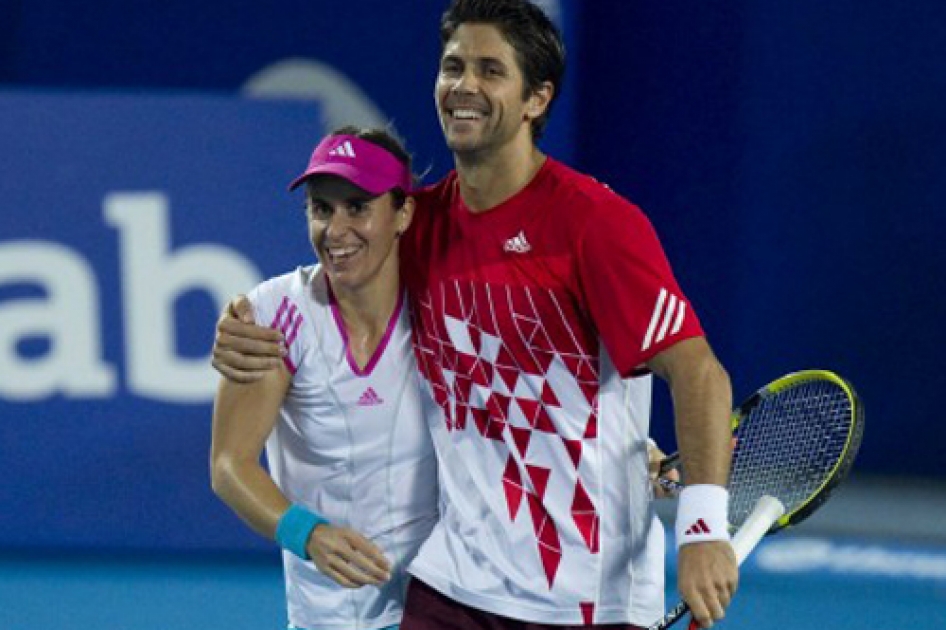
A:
<point x="767" y="510"/>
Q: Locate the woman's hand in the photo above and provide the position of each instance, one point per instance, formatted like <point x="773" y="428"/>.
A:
<point x="347" y="557"/>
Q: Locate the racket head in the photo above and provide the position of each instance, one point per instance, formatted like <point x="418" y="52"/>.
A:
<point x="796" y="440"/>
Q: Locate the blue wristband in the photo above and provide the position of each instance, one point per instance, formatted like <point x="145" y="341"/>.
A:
<point x="294" y="529"/>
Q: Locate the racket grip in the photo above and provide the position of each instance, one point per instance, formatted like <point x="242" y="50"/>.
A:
<point x="671" y="617"/>
<point x="672" y="487"/>
<point x="767" y="510"/>
<point x="669" y="463"/>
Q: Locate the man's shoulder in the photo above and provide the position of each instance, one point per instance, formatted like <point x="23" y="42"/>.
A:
<point x="437" y="191"/>
<point x="574" y="187"/>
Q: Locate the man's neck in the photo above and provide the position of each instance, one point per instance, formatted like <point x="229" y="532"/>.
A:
<point x="486" y="182"/>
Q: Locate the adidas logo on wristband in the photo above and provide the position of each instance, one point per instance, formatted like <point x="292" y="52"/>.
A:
<point x="702" y="514"/>
<point x="699" y="527"/>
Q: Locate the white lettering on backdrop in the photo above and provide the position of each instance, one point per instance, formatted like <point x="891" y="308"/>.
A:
<point x="68" y="315"/>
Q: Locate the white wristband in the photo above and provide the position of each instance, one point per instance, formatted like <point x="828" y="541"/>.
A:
<point x="701" y="514"/>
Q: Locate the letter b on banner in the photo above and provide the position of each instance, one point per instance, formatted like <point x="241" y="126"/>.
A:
<point x="153" y="277"/>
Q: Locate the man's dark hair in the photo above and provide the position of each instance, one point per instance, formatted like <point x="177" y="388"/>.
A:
<point x="536" y="40"/>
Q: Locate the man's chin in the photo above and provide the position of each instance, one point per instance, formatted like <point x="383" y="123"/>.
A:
<point x="465" y="147"/>
<point x="461" y="143"/>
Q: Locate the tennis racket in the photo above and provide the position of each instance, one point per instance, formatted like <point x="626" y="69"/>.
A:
<point x="795" y="441"/>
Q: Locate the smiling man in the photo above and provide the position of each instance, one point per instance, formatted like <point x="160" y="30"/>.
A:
<point x="541" y="302"/>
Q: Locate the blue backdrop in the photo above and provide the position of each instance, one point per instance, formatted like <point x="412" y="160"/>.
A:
<point x="791" y="156"/>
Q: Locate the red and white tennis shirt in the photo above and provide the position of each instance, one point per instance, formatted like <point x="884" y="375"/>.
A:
<point x="352" y="444"/>
<point x="531" y="322"/>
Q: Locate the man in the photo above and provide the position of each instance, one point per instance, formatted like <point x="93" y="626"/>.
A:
<point x="541" y="300"/>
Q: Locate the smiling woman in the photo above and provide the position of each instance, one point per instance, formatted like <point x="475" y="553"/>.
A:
<point x="355" y="220"/>
<point x="350" y="494"/>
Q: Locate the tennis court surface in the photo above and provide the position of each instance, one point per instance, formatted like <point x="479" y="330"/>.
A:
<point x="792" y="581"/>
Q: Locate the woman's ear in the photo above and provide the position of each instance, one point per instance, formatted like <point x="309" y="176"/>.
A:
<point x="405" y="214"/>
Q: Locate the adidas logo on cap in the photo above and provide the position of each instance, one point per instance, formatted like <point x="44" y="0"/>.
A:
<point x="344" y="150"/>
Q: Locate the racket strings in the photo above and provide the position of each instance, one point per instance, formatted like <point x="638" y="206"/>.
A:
<point x="788" y="446"/>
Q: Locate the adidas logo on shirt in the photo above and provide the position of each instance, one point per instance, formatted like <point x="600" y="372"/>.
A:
<point x="344" y="150"/>
<point x="369" y="398"/>
<point x="517" y="244"/>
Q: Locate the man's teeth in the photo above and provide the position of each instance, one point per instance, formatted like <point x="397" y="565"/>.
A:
<point x="466" y="114"/>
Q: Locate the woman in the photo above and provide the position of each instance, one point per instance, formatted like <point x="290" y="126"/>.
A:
<point x="351" y="491"/>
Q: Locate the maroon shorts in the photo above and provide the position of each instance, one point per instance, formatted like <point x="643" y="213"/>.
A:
<point x="427" y="609"/>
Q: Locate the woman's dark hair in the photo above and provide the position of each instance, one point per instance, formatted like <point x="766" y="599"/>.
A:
<point x="536" y="40"/>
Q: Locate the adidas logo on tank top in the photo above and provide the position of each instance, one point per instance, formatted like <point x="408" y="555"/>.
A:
<point x="369" y="398"/>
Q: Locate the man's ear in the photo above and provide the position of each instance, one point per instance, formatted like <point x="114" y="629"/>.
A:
<point x="539" y="100"/>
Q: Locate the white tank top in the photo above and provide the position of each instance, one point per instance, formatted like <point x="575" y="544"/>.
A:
<point x="351" y="444"/>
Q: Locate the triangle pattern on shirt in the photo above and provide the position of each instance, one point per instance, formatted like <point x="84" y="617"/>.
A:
<point x="512" y="484"/>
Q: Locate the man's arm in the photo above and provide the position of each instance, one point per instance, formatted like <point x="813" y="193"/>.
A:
<point x="244" y="352"/>
<point x="702" y="399"/>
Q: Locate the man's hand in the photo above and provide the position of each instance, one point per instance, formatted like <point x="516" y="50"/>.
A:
<point x="243" y="351"/>
<point x="347" y="557"/>
<point x="708" y="578"/>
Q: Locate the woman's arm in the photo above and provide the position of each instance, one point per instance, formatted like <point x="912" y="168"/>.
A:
<point x="244" y="416"/>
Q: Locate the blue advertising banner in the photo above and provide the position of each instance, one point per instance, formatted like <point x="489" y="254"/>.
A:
<point x="125" y="225"/>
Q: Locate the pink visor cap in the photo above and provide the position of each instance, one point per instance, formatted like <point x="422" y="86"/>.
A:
<point x="363" y="163"/>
